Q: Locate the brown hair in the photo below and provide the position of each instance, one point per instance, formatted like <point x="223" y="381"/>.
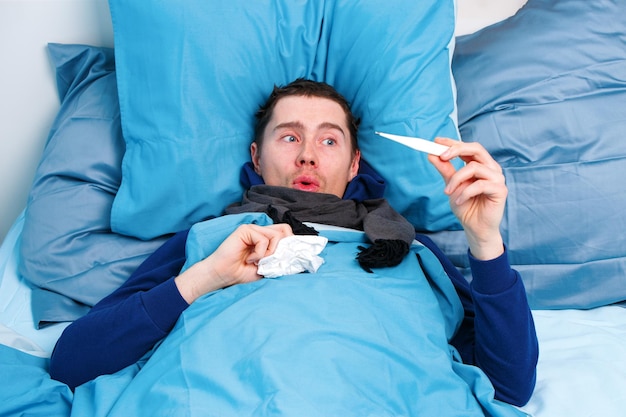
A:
<point x="307" y="88"/>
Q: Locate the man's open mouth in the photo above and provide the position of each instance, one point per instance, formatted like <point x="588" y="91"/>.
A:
<point x="306" y="184"/>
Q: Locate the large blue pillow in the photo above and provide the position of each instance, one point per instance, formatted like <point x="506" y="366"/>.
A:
<point x="68" y="251"/>
<point x="191" y="74"/>
<point x="396" y="74"/>
<point x="545" y="92"/>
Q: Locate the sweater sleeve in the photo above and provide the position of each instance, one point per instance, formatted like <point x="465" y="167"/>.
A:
<point x="497" y="332"/>
<point x="125" y="325"/>
<point x="506" y="345"/>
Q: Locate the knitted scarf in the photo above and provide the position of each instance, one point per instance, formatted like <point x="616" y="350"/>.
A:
<point x="390" y="233"/>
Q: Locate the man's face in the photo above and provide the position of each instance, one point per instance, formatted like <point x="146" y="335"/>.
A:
<point x="306" y="146"/>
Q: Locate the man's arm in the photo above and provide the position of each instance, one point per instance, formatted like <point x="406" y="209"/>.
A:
<point x="125" y="325"/>
<point x="477" y="193"/>
<point x="497" y="333"/>
<point x="505" y="341"/>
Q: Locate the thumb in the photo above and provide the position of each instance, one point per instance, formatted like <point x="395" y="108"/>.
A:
<point x="445" y="168"/>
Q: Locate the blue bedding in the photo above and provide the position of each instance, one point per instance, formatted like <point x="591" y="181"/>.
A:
<point x="27" y="389"/>
<point x="338" y="342"/>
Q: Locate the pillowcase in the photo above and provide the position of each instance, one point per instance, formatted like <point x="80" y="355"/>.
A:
<point x="68" y="251"/>
<point x="397" y="81"/>
<point x="191" y="75"/>
<point x="544" y="91"/>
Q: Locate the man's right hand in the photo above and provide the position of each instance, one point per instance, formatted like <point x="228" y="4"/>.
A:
<point x="234" y="261"/>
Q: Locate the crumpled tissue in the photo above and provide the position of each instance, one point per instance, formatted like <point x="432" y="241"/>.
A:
<point x="293" y="254"/>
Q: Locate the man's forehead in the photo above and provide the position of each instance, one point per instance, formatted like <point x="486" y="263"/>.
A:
<point x="308" y="111"/>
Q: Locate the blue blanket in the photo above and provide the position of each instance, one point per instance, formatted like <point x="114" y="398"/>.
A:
<point x="27" y="389"/>
<point x="338" y="342"/>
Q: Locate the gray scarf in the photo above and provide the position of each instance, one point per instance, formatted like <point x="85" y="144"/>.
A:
<point x="390" y="233"/>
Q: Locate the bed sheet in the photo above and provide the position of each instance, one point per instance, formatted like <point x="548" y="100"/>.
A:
<point x="582" y="363"/>
<point x="17" y="328"/>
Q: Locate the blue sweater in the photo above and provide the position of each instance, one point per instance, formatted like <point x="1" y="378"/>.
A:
<point x="497" y="333"/>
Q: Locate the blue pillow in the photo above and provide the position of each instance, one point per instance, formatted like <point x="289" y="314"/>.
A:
<point x="396" y="74"/>
<point x="191" y="74"/>
<point x="545" y="92"/>
<point x="68" y="251"/>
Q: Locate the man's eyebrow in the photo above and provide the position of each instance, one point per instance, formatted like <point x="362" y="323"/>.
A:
<point x="298" y="125"/>
<point x="289" y="125"/>
<point x="330" y="125"/>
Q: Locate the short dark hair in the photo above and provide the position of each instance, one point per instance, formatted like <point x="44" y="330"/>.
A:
<point x="306" y="88"/>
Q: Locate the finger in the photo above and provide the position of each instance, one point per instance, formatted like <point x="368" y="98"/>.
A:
<point x="264" y="239"/>
<point x="445" y="168"/>
<point x="275" y="234"/>
<point x="467" y="151"/>
<point x="490" y="190"/>
<point x="471" y="172"/>
<point x="282" y="228"/>
<point x="254" y="242"/>
<point x="450" y="153"/>
<point x="461" y="191"/>
<point x="258" y="250"/>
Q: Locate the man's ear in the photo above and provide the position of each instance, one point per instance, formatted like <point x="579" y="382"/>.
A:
<point x="354" y="167"/>
<point x="255" y="155"/>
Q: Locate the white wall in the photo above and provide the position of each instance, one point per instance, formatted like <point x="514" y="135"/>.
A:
<point x="28" y="100"/>
<point x="473" y="15"/>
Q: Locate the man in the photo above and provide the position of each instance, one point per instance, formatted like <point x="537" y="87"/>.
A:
<point x="306" y="140"/>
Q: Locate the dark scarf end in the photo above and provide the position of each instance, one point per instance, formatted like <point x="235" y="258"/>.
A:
<point x="382" y="253"/>
<point x="297" y="226"/>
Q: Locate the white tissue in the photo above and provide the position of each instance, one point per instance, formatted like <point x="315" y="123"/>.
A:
<point x="294" y="254"/>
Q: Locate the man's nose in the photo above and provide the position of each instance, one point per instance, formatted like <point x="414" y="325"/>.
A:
<point x="307" y="155"/>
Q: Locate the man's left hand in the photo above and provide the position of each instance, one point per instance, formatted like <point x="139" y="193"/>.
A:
<point x="477" y="194"/>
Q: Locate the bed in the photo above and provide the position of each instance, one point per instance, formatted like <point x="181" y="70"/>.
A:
<point x="541" y="84"/>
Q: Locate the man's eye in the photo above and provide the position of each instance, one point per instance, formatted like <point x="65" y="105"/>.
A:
<point x="329" y="141"/>
<point x="289" y="138"/>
